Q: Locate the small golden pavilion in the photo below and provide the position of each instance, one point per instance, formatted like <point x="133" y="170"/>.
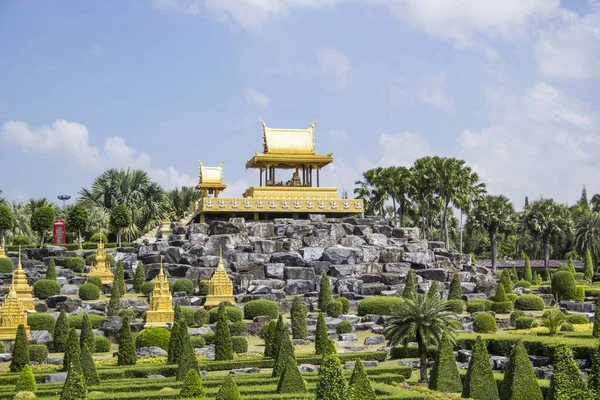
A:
<point x="220" y="288"/>
<point x="101" y="269"/>
<point x="2" y="251"/>
<point x="12" y="314"/>
<point x="279" y="193"/>
<point x="161" y="312"/>
<point x="21" y="286"/>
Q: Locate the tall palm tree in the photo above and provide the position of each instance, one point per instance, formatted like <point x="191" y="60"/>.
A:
<point x="372" y="191"/>
<point x="424" y="319"/>
<point x="587" y="234"/>
<point x="401" y="178"/>
<point x="180" y="201"/>
<point x="421" y="192"/>
<point x="595" y="202"/>
<point x="494" y="214"/>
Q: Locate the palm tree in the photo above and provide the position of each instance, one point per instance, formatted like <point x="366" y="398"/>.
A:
<point x="494" y="214"/>
<point x="547" y="219"/>
<point x="372" y="191"/>
<point x="181" y="201"/>
<point x="421" y="192"/>
<point x="587" y="234"/>
<point x="595" y="202"/>
<point x="425" y="320"/>
<point x="553" y="319"/>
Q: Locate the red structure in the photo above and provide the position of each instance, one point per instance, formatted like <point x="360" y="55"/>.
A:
<point x="60" y="232"/>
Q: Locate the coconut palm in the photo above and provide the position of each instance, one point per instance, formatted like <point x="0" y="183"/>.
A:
<point x="587" y="234"/>
<point x="494" y="214"/>
<point x="424" y="320"/>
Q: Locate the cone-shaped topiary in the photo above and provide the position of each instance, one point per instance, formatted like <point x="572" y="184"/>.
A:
<point x="332" y="384"/>
<point x="74" y="387"/>
<point x="223" y="346"/>
<point x="178" y="334"/>
<point x="72" y="352"/>
<point x="291" y="380"/>
<point x="51" y="270"/>
<point x="280" y="330"/>
<point x="455" y="292"/>
<point x="120" y="278"/>
<point x="187" y="361"/>
<point x="325" y="293"/>
<point x="513" y="274"/>
<point x="566" y="382"/>
<point x="359" y="387"/>
<point x="479" y="382"/>
<point x="192" y="386"/>
<point x="596" y="329"/>
<point x="500" y="295"/>
<point x="434" y="289"/>
<point x="520" y="382"/>
<point x="126" y="354"/>
<point x="444" y="374"/>
<point x="409" y="288"/>
<point x="329" y="348"/>
<point x="228" y="390"/>
<point x="139" y="278"/>
<point x="594" y="375"/>
<point x="88" y="368"/>
<point x="298" y="314"/>
<point x="570" y="266"/>
<point x="506" y="281"/>
<point x="285" y="351"/>
<point x="61" y="333"/>
<point x="26" y="381"/>
<point x="321" y="337"/>
<point x="177" y="312"/>
<point x="588" y="270"/>
<point x="527" y="275"/>
<point x="20" y="354"/>
<point x="87" y="334"/>
<point x="267" y="333"/>
<point x="114" y="304"/>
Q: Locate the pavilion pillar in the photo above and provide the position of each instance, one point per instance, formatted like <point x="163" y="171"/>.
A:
<point x="318" y="183"/>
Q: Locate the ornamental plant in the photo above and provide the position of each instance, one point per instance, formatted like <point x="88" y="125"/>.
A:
<point x="359" y="387"/>
<point x="345" y="304"/>
<point x="596" y="329"/>
<point x="409" y="288"/>
<point x="61" y="333"/>
<point x="298" y="315"/>
<point x="527" y="275"/>
<point x="455" y="288"/>
<point x="41" y="322"/>
<point x="120" y="218"/>
<point x="321" y="336"/>
<point x="139" y="278"/>
<point x="51" y="271"/>
<point x="187" y="361"/>
<point x="588" y="270"/>
<point x="506" y="281"/>
<point x="88" y="368"/>
<point x="291" y="380"/>
<point x="484" y="323"/>
<point x="520" y="382"/>
<point x="75" y="387"/>
<point x="223" y="346"/>
<point x="334" y="308"/>
<point x="159" y="337"/>
<point x="184" y="285"/>
<point x="126" y="353"/>
<point x="178" y="333"/>
<point x="278" y="332"/>
<point x="228" y="390"/>
<point x="41" y="221"/>
<point x="86" y="338"/>
<point x="594" y="375"/>
<point x="566" y="382"/>
<point x="500" y="295"/>
<point x="325" y="293"/>
<point x="114" y="304"/>
<point x="7" y="220"/>
<point x="88" y="291"/>
<point x="267" y="334"/>
<point x="433" y="289"/>
<point x="78" y="220"/>
<point x="563" y="285"/>
<point x="26" y="381"/>
<point x="332" y="384"/>
<point x="479" y="382"/>
<point x="257" y="308"/>
<point x="285" y="351"/>
<point x="444" y="375"/>
<point x="72" y="353"/>
<point x="192" y="386"/>
<point x="120" y="278"/>
<point x="20" y="354"/>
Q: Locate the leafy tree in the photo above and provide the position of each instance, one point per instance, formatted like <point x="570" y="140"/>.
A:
<point x="88" y="367"/>
<point x="61" y="333"/>
<point x="72" y="356"/>
<point x="78" y="220"/>
<point x="434" y="290"/>
<point x="332" y="384"/>
<point x="325" y="294"/>
<point x="228" y="390"/>
<point x="51" y="270"/>
<point x="192" y="386"/>
<point x="87" y="334"/>
<point x="455" y="292"/>
<point x="520" y="382"/>
<point x="223" y="346"/>
<point x="321" y="336"/>
<point x="75" y="387"/>
<point x="20" y="354"/>
<point x="178" y="334"/>
<point x="506" y="281"/>
<point x="126" y="353"/>
<point x="7" y="221"/>
<point x="120" y="218"/>
<point x="596" y="329"/>
<point x="298" y="315"/>
<point x="424" y="320"/>
<point x="291" y="380"/>
<point x="359" y="387"/>
<point x="139" y="278"/>
<point x="187" y="361"/>
<point x="479" y="382"/>
<point x="566" y="382"/>
<point x="444" y="374"/>
<point x="285" y="351"/>
<point x="42" y="220"/>
<point x="588" y="270"/>
<point x="409" y="288"/>
<point x="120" y="278"/>
<point x="587" y="234"/>
<point x="26" y="381"/>
<point x="114" y="304"/>
<point x="527" y="270"/>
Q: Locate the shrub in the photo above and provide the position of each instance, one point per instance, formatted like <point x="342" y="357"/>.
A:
<point x="6" y="266"/>
<point x="76" y="321"/>
<point x="524" y="322"/>
<point x="325" y="293"/>
<point x="500" y="295"/>
<point x="239" y="344"/>
<point x="444" y="374"/>
<point x="192" y="386"/>
<point x="285" y="351"/>
<point x="187" y="360"/>
<point x="456" y="306"/>
<point x="21" y="240"/>
<point x="516" y="314"/>
<point x="197" y="342"/>
<point x="455" y="292"/>
<point x="506" y="280"/>
<point x="409" y="287"/>
<point x="89" y="291"/>
<point x="566" y="381"/>
<point x="20" y="354"/>
<point x="596" y="328"/>
<point x="223" y="342"/>
<point x="291" y="380"/>
<point x="502" y="307"/>
<point x="579" y="294"/>
<point x="179" y="338"/>
<point x="127" y="313"/>
<point x="331" y="384"/>
<point x="512" y="297"/>
<point x="26" y="381"/>
<point x="147" y="288"/>
<point x="126" y="353"/>
<point x="94" y="280"/>
<point x="345" y="304"/>
<point x="298" y="315"/>
<point x="567" y="327"/>
<point x="184" y="285"/>
<point x="139" y="278"/>
<point x="334" y="308"/>
<point x="484" y="323"/>
<point x="527" y="276"/>
<point x="577" y="319"/>
<point x="257" y="308"/>
<point x="379" y="305"/>
<point x="158" y="337"/>
<point x="101" y="344"/>
<point x="523" y="284"/>
<point x="238" y="329"/>
<point x="479" y="305"/>
<point x="203" y="287"/>
<point x="343" y="327"/>
<point x="61" y="333"/>
<point x="563" y="285"/>
<point x="209" y="338"/>
<point x="45" y="288"/>
<point x="91" y="260"/>
<point x="228" y="390"/>
<point x="234" y="314"/>
<point x="75" y="264"/>
<point x="38" y="353"/>
<point x="579" y="276"/>
<point x="201" y="317"/>
<point x="51" y="270"/>
<point x="41" y="322"/>
<point x="96" y="237"/>
<point x="321" y="337"/>
<point x="519" y="379"/>
<point x="529" y="302"/>
<point x="188" y="314"/>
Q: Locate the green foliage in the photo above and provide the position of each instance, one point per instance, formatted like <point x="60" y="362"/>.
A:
<point x="332" y="384"/>
<point x="379" y="305"/>
<point x="321" y="337"/>
<point x="506" y="281"/>
<point x="61" y="333"/>
<point x="45" y="288"/>
<point x="577" y="319"/>
<point x="184" y="285"/>
<point x="456" y="306"/>
<point x="553" y="319"/>
<point x="596" y="329"/>
<point x="78" y="220"/>
<point x="120" y="279"/>
<point x="567" y="327"/>
<point x="588" y="270"/>
<point x="520" y="382"/>
<point x="38" y="353"/>
<point x="6" y="266"/>
<point x="334" y="308"/>
<point x="72" y="354"/>
<point x="139" y="278"/>
<point x="88" y="368"/>
<point x="329" y="348"/>
<point x="524" y="322"/>
<point x="479" y="305"/>
<point x="187" y="361"/>
<point x="343" y="327"/>
<point x="502" y="307"/>
<point x="21" y="240"/>
<point x="484" y="323"/>
<point x="325" y="292"/>
<point x="188" y="314"/>
<point x="41" y="322"/>
<point x="192" y="386"/>
<point x="147" y="288"/>
<point x="120" y="218"/>
<point x="201" y="317"/>
<point x="95" y="238"/>
<point x="566" y="382"/>
<point x="101" y="344"/>
<point x="256" y="308"/>
<point x="42" y="220"/>
<point x="51" y="270"/>
<point x="75" y="264"/>
<point x="579" y="294"/>
<point x="197" y="342"/>
<point x="76" y="321"/>
<point x="444" y="374"/>
<point x="87" y="334"/>
<point x="267" y="333"/>
<point x="223" y="346"/>
<point x="127" y="313"/>
<point x="114" y="304"/>
<point x="285" y="351"/>
<point x="345" y="304"/>
<point x="234" y="314"/>
<point x="434" y="289"/>
<point x="239" y="344"/>
<point x="529" y="302"/>
<point x="527" y="276"/>
<point x="594" y="375"/>
<point x="359" y="387"/>
<point x="516" y="314"/>
<point x="455" y="292"/>
<point x="126" y="354"/>
<point x="479" y="382"/>
<point x="89" y="291"/>
<point x="563" y="285"/>
<point x="291" y="380"/>
<point x="176" y="340"/>
<point x="500" y="295"/>
<point x="523" y="284"/>
<point x="203" y="287"/>
<point x="110" y="260"/>
<point x="20" y="354"/>
<point x="238" y="329"/>
<point x="409" y="288"/>
<point x="7" y="220"/>
<point x="228" y="390"/>
<point x="26" y="381"/>
<point x="75" y="387"/>
<point x="94" y="280"/>
<point x="158" y="337"/>
<point x="298" y="314"/>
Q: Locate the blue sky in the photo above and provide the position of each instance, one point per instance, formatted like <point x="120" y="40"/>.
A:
<point x="511" y="86"/>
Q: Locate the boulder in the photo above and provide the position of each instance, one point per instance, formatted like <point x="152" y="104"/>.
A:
<point x="152" y="351"/>
<point x="69" y="289"/>
<point x="320" y="267"/>
<point x="157" y="376"/>
<point x="434" y="274"/>
<point x="311" y="253"/>
<point x="372" y="289"/>
<point x="305" y="273"/>
<point x="345" y="285"/>
<point x="264" y="246"/>
<point x="352" y="241"/>
<point x="377" y="239"/>
<point x="290" y="258"/>
<point x="308" y="368"/>
<point x="373" y="340"/>
<point x="298" y="286"/>
<point x="59" y="377"/>
<point x="208" y="352"/>
<point x="348" y="337"/>
<point x="53" y="301"/>
<point x="274" y="270"/>
<point x="110" y="327"/>
<point x="342" y="255"/>
<point x="69" y="305"/>
<point x="419" y="260"/>
<point x="41" y="337"/>
<point x="225" y="228"/>
<point x="370" y="254"/>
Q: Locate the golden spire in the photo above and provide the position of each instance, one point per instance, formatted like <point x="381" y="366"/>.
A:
<point x="12" y="314"/>
<point x="2" y="252"/>
<point x="101" y="269"/>
<point x="22" y="288"/>
<point x="161" y="312"/>
<point x="220" y="288"/>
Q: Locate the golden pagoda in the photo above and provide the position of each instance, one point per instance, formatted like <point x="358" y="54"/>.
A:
<point x="12" y="314"/>
<point x="220" y="288"/>
<point x="295" y="196"/>
<point x="101" y="269"/>
<point x="161" y="312"/>
<point x="2" y="251"/>
<point x="19" y="281"/>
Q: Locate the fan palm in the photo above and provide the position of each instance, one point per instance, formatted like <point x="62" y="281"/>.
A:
<point x="424" y="319"/>
<point x="553" y="319"/>
<point x="587" y="234"/>
<point x="180" y="201"/>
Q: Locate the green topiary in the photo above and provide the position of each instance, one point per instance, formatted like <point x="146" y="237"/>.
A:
<point x="120" y="278"/>
<point x="87" y="334"/>
<point x="61" y="333"/>
<point x="75" y="387"/>
<point x="577" y="319"/>
<point x="257" y="308"/>
<point x="409" y="288"/>
<point x="359" y="387"/>
<point x="579" y="294"/>
<point x="594" y="375"/>
<point x="139" y="278"/>
<point x="89" y="291"/>
<point x="126" y="354"/>
<point x="20" y="354"/>
<point x="456" y="306"/>
<point x="524" y="322"/>
<point x="512" y="297"/>
<point x="234" y="314"/>
<point x="506" y="281"/>
<point x="51" y="270"/>
<point x="228" y="390"/>
<point x="238" y="329"/>
<point x="192" y="386"/>
<point x="184" y="285"/>
<point x="329" y="348"/>
<point x="285" y="351"/>
<point x="588" y="269"/>
<point x="187" y="361"/>
<point x="267" y="333"/>
<point x="177" y="339"/>
<point x="197" y="342"/>
<point x="38" y="353"/>
<point x="325" y="293"/>
<point x="114" y="304"/>
<point x="478" y="305"/>
<point x="334" y="308"/>
<point x="484" y="323"/>
<point x="433" y="290"/>
<point x="120" y="218"/>
<point x="345" y="304"/>
<point x="158" y="337"/>
<point x="45" y="288"/>
<point x="94" y="280"/>
<point x="527" y="276"/>
<point x="41" y="221"/>
<point x="563" y="285"/>
<point x="298" y="314"/>
<point x="529" y="302"/>
<point x="331" y="384"/>
<point x="520" y="382"/>
<point x="513" y="274"/>
<point x="76" y="321"/>
<point x="523" y="284"/>
<point x="201" y="317"/>
<point x="223" y="346"/>
<point x="95" y="238"/>
<point x="479" y="382"/>
<point x="444" y="374"/>
<point x="26" y="381"/>
<point x="239" y="344"/>
<point x="87" y="367"/>
<point x="455" y="292"/>
<point x="321" y="336"/>
<point x="147" y="288"/>
<point x="502" y="308"/>
<point x="41" y="322"/>
<point x="379" y="305"/>
<point x="127" y="313"/>
<point x="566" y="382"/>
<point x="203" y="287"/>
<point x="6" y="266"/>
<point x="567" y="327"/>
<point x="343" y="327"/>
<point x="500" y="295"/>
<point x="101" y="344"/>
<point x="188" y="314"/>
<point x="72" y="353"/>
<point x="21" y="240"/>
<point x="596" y="329"/>
<point x="75" y="264"/>
<point x="291" y="380"/>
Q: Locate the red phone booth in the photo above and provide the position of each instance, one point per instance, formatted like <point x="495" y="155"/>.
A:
<point x="60" y="233"/>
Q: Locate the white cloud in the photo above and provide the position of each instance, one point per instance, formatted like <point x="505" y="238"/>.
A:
<point x="255" y="97"/>
<point x="70" y="140"/>
<point x="333" y="62"/>
<point x="339" y="135"/>
<point x="402" y="149"/>
<point x="432" y="92"/>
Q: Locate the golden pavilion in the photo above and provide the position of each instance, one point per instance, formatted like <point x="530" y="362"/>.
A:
<point x="220" y="288"/>
<point x="101" y="269"/>
<point x="21" y="286"/>
<point x="289" y="182"/>
<point x="12" y="314"/>
<point x="2" y="251"/>
<point x="161" y="312"/>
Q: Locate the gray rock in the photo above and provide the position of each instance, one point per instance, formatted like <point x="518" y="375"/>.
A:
<point x="342" y="255"/>
<point x="311" y="253"/>
<point x="539" y="361"/>
<point x="308" y="368"/>
<point x="156" y="377"/>
<point x="55" y="378"/>
<point x="70" y="305"/>
<point x="290" y="258"/>
<point x="348" y="337"/>
<point x="244" y="371"/>
<point x="208" y="352"/>
<point x="299" y="286"/>
<point x="366" y="364"/>
<point x="225" y="228"/>
<point x="352" y="241"/>
<point x="345" y="285"/>
<point x="152" y="351"/>
<point x="54" y="361"/>
<point x="372" y="340"/>
<point x="370" y="254"/>
<point x="463" y="356"/>
<point x="69" y="289"/>
<point x="200" y="331"/>
<point x="41" y="337"/>
<point x="468" y="287"/>
<point x="434" y="274"/>
<point x="305" y="273"/>
<point x="4" y="357"/>
<point x="377" y="239"/>
<point x="53" y="301"/>
<point x="499" y="363"/>
<point x="274" y="270"/>
<point x="399" y="268"/>
<point x="372" y="289"/>
<point x="419" y="259"/>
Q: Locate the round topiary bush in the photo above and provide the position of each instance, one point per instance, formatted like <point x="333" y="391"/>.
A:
<point x="197" y="342"/>
<point x="563" y="285"/>
<point x="516" y="314"/>
<point x="484" y="323"/>
<point x="239" y="344"/>
<point x="334" y="308"/>
<point x="343" y="327"/>
<point x="45" y="288"/>
<point x="75" y="264"/>
<point x="6" y="266"/>
<point x="238" y="329"/>
<point x="96" y="237"/>
<point x="529" y="302"/>
<point x="259" y="308"/>
<point x="474" y="306"/>
<point x="567" y="327"/>
<point x="345" y="304"/>
<point x="502" y="307"/>
<point x="203" y="287"/>
<point x="41" y="322"/>
<point x="130" y="314"/>
<point x="147" y="288"/>
<point x="524" y="322"/>
<point x="523" y="284"/>
<point x="21" y="240"/>
<point x="188" y="314"/>
<point x="201" y="317"/>
<point x="91" y="260"/>
<point x="234" y="314"/>
<point x="101" y="344"/>
<point x="89" y="291"/>
<point x="456" y="306"/>
<point x="579" y="294"/>
<point x="94" y="280"/>
<point x="38" y="353"/>
<point x="379" y="305"/>
<point x="76" y="321"/>
<point x="184" y="285"/>
<point x="158" y="337"/>
<point x="209" y="338"/>
<point x="577" y="319"/>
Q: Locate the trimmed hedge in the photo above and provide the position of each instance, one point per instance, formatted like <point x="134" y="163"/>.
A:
<point x="76" y="321"/>
<point x="38" y="353"/>
<point x="6" y="266"/>
<point x="89" y="291"/>
<point x="529" y="302"/>
<point x="502" y="307"/>
<point x="147" y="288"/>
<point x="567" y="327"/>
<point x="188" y="313"/>
<point x="516" y="314"/>
<point x="523" y="284"/>
<point x="45" y="288"/>
<point x="197" y="342"/>
<point x="456" y="306"/>
<point x="238" y="329"/>
<point x="563" y="285"/>
<point x="479" y="306"/>
<point x="201" y="317"/>
<point x="184" y="285"/>
<point x="234" y="314"/>
<point x="101" y="344"/>
<point x="524" y="322"/>
<point x="259" y="308"/>
<point x="334" y="308"/>
<point x="158" y="337"/>
<point x="94" y="280"/>
<point x="379" y="305"/>
<point x="577" y="319"/>
<point x="484" y="323"/>
<point x="75" y="264"/>
<point x="239" y="344"/>
<point x="343" y="327"/>
<point x="41" y="322"/>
